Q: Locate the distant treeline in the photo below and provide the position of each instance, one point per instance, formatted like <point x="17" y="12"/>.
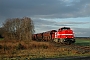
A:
<point x="82" y="37"/>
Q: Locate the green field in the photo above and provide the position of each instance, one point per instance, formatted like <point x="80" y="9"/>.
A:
<point x="83" y="41"/>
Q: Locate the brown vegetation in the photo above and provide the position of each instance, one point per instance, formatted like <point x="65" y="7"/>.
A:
<point x="33" y="49"/>
<point x="18" y="29"/>
<point x="11" y="48"/>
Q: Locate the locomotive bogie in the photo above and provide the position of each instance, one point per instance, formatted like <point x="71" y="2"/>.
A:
<point x="66" y="41"/>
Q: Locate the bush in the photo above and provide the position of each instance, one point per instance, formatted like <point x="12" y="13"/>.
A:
<point x="20" y="47"/>
<point x="1" y="47"/>
<point x="44" y="46"/>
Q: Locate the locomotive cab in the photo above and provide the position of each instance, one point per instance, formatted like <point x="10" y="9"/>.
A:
<point x="64" y="28"/>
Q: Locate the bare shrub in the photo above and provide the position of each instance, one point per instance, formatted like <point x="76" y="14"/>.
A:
<point x="20" y="47"/>
<point x="1" y="47"/>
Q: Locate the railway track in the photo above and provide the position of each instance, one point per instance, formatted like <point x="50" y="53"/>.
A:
<point x="70" y="58"/>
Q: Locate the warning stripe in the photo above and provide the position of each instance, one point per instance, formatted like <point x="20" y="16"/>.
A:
<point x="64" y="34"/>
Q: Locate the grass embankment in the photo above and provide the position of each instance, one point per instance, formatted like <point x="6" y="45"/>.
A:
<point x="25" y="49"/>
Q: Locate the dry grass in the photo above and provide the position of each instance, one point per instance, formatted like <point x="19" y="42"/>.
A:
<point x="11" y="48"/>
<point x="33" y="49"/>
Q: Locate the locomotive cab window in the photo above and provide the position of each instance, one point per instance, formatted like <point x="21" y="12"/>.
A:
<point x="65" y="28"/>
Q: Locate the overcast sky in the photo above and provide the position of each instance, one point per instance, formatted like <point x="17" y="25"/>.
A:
<point x="50" y="14"/>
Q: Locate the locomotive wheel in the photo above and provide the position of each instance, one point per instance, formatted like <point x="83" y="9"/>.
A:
<point x="68" y="42"/>
<point x="56" y="40"/>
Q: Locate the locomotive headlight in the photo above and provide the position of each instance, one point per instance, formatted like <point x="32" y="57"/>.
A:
<point x="64" y="40"/>
<point x="66" y="37"/>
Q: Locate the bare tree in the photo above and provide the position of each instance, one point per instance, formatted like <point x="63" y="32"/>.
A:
<point x="18" y="29"/>
<point x="1" y="32"/>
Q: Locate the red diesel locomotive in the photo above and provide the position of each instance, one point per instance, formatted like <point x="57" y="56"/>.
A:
<point x="63" y="35"/>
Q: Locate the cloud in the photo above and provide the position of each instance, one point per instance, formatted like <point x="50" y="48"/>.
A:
<point x="45" y="8"/>
<point x="42" y="10"/>
<point x="71" y="22"/>
<point x="82" y="32"/>
<point x="43" y="25"/>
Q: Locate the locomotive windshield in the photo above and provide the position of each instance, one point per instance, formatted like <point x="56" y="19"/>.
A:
<point x="65" y="28"/>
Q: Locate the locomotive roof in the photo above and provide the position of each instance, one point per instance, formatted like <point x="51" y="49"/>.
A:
<point x="65" y="28"/>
